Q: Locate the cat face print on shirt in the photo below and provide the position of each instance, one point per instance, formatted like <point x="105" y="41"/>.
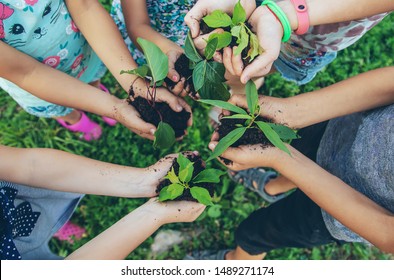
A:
<point x="22" y="21"/>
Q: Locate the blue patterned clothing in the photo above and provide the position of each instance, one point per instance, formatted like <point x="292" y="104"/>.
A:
<point x="30" y="217"/>
<point x="166" y="17"/>
<point x="44" y="30"/>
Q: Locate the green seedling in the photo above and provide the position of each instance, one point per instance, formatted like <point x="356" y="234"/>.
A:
<point x="185" y="180"/>
<point x="275" y="133"/>
<point x="155" y="71"/>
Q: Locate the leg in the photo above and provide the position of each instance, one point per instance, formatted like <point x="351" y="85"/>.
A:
<point x="295" y="221"/>
<point x="71" y="118"/>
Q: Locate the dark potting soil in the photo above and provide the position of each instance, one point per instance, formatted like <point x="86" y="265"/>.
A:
<point x="177" y="120"/>
<point x="182" y="67"/>
<point x="199" y="165"/>
<point x="252" y="135"/>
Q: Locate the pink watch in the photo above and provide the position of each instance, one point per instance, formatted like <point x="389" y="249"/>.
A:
<point x="302" y="16"/>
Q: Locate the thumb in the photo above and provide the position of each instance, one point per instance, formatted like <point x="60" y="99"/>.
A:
<point x="193" y="17"/>
<point x="173" y="75"/>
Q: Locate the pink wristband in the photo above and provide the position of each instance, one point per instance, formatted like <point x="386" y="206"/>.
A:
<point x="302" y="16"/>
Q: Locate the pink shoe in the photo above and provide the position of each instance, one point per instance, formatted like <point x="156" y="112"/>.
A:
<point x="69" y="231"/>
<point x="107" y="120"/>
<point x="90" y="129"/>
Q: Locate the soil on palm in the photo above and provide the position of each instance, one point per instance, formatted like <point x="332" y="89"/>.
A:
<point x="199" y="165"/>
<point x="183" y="69"/>
<point x="252" y="135"/>
<point x="177" y="120"/>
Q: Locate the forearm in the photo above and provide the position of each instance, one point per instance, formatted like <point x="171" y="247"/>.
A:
<point x="324" y="12"/>
<point x="61" y="171"/>
<point x="351" y="208"/>
<point x="52" y="85"/>
<point x="360" y="93"/>
<point x="102" y="34"/>
<point x="122" y="238"/>
<point x="137" y="23"/>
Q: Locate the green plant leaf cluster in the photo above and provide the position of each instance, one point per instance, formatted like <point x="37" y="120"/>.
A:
<point x="185" y="180"/>
<point x="275" y="133"/>
<point x="156" y="70"/>
<point x="208" y="76"/>
<point x="238" y="28"/>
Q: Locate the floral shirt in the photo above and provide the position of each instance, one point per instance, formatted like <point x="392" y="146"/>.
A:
<point x="45" y="30"/>
<point x="166" y="17"/>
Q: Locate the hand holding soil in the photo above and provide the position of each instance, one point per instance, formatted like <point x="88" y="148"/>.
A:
<point x="247" y="156"/>
<point x="174" y="211"/>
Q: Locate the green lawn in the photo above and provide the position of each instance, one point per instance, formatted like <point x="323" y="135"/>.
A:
<point x="118" y="145"/>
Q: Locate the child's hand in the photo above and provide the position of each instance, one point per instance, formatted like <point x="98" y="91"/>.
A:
<point x="278" y="110"/>
<point x="174" y="211"/>
<point x="269" y="32"/>
<point x="176" y="103"/>
<point x="205" y="7"/>
<point x="179" y="88"/>
<point x="247" y="156"/>
<point x="153" y="174"/>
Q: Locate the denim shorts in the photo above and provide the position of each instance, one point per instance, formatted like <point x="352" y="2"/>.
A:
<point x="301" y="65"/>
<point x="55" y="210"/>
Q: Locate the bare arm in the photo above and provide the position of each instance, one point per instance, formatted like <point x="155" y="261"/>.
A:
<point x="363" y="92"/>
<point x="124" y="236"/>
<point x="61" y="171"/>
<point x="350" y="207"/>
<point x="102" y="34"/>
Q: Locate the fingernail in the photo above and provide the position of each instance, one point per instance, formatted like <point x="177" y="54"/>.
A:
<point x="152" y="131"/>
<point x="195" y="153"/>
<point x="174" y="78"/>
<point x="211" y="146"/>
<point x="179" y="108"/>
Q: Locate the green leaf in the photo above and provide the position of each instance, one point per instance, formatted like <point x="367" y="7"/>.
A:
<point x="215" y="211"/>
<point x="183" y="161"/>
<point x="172" y="176"/>
<point x="190" y="50"/>
<point x="224" y="105"/>
<point x="215" y="72"/>
<point x="156" y="59"/>
<point x="199" y="73"/>
<point x="201" y="195"/>
<point x="208" y="176"/>
<point x="254" y="47"/>
<point x="164" y="136"/>
<point x="285" y="133"/>
<point x="243" y="41"/>
<point x="142" y="71"/>
<point x="217" y="91"/>
<point x="224" y="39"/>
<point x="211" y="47"/>
<point x="235" y="31"/>
<point x="227" y="141"/>
<point x="171" y="192"/>
<point x="252" y="97"/>
<point x="186" y="174"/>
<point x="217" y="19"/>
<point x="238" y="116"/>
<point x="239" y="14"/>
<point x="272" y="136"/>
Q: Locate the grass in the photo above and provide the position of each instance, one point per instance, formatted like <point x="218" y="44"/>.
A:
<point x="119" y="145"/>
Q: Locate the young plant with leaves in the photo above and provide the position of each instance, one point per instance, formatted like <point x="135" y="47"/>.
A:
<point x="187" y="181"/>
<point x="238" y="29"/>
<point x="155" y="71"/>
<point x="208" y="75"/>
<point x="275" y="133"/>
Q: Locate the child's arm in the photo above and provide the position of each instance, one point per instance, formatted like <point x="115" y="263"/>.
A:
<point x="119" y="240"/>
<point x="102" y="34"/>
<point x="59" y="88"/>
<point x="351" y="208"/>
<point x="61" y="171"/>
<point x="138" y="25"/>
<point x="363" y="92"/>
